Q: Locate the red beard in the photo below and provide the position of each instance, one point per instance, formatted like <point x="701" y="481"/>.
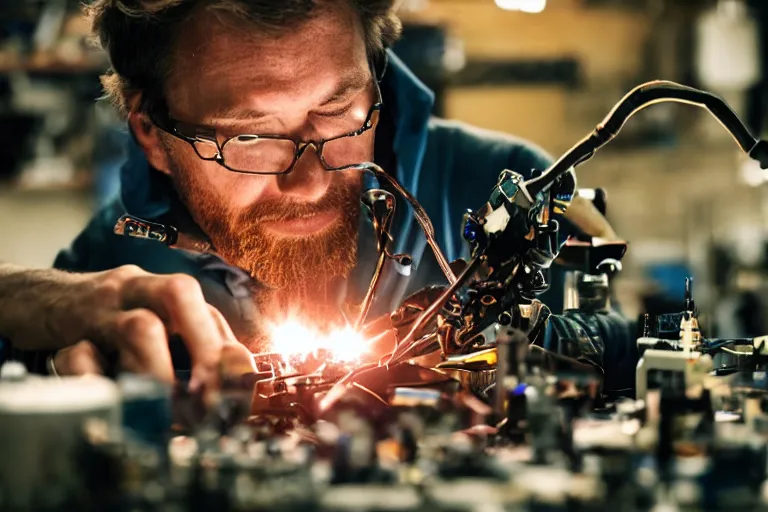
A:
<point x="301" y="277"/>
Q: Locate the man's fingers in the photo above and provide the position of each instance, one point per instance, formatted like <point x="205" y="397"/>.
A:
<point x="82" y="358"/>
<point x="143" y="344"/>
<point x="236" y="359"/>
<point x="225" y="331"/>
<point x="179" y="302"/>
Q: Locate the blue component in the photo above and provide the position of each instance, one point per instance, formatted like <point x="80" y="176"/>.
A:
<point x="519" y="389"/>
<point x="470" y="232"/>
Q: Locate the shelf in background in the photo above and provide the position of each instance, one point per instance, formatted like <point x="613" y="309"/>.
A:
<point x="79" y="185"/>
<point x="38" y="224"/>
<point x="52" y="67"/>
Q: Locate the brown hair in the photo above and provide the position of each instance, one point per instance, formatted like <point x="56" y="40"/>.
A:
<point x="139" y="35"/>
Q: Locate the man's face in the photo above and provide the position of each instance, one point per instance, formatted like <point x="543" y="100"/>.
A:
<point x="292" y="232"/>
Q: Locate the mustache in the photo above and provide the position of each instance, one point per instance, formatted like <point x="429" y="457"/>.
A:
<point x="281" y="210"/>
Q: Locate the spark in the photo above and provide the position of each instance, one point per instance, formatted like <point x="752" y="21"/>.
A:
<point x="291" y="339"/>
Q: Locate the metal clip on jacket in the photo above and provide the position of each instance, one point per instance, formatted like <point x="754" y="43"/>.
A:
<point x="134" y="227"/>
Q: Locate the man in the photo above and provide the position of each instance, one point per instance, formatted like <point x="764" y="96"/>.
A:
<point x="222" y="98"/>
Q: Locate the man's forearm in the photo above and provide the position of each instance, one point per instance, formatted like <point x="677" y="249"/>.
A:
<point x="27" y="299"/>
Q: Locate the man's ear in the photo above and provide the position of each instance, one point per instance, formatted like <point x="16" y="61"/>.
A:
<point x="148" y="137"/>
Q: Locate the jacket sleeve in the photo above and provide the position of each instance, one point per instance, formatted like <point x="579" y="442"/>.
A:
<point x="91" y="249"/>
<point x="89" y="252"/>
<point x="606" y="340"/>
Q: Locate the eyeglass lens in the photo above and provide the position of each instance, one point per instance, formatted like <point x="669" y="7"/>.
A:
<point x="250" y="153"/>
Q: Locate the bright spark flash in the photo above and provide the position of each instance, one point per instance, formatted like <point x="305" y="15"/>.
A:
<point x="292" y="339"/>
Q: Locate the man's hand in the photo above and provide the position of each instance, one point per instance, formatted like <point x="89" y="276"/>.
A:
<point x="129" y="312"/>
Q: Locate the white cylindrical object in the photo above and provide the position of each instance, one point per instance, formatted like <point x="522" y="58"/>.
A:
<point x="41" y="425"/>
<point x="728" y="47"/>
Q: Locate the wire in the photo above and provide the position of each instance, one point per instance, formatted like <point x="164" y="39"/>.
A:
<point x="637" y="99"/>
<point x="715" y="345"/>
<point x="421" y="217"/>
<point x="409" y="342"/>
<point x="734" y="352"/>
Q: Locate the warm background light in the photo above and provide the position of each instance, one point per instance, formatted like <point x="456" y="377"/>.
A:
<point x="529" y="6"/>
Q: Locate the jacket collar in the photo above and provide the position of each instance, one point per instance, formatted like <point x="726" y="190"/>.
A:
<point x="412" y="104"/>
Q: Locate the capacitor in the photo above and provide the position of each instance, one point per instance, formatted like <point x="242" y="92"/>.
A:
<point x="41" y="428"/>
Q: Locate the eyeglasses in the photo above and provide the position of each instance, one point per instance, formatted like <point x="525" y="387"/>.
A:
<point x="270" y="154"/>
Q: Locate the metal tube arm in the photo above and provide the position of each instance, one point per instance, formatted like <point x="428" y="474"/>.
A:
<point x="636" y="100"/>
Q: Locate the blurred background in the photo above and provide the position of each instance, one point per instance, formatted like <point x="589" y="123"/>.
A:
<point x="547" y="70"/>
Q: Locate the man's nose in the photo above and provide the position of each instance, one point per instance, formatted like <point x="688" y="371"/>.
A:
<point x="308" y="180"/>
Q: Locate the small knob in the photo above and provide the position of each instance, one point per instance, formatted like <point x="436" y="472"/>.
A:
<point x="403" y="264"/>
<point x="689" y="302"/>
<point x="609" y="267"/>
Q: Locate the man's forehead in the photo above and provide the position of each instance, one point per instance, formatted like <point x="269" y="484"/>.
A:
<point x="222" y="40"/>
<point x="339" y="89"/>
<point x="218" y="56"/>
